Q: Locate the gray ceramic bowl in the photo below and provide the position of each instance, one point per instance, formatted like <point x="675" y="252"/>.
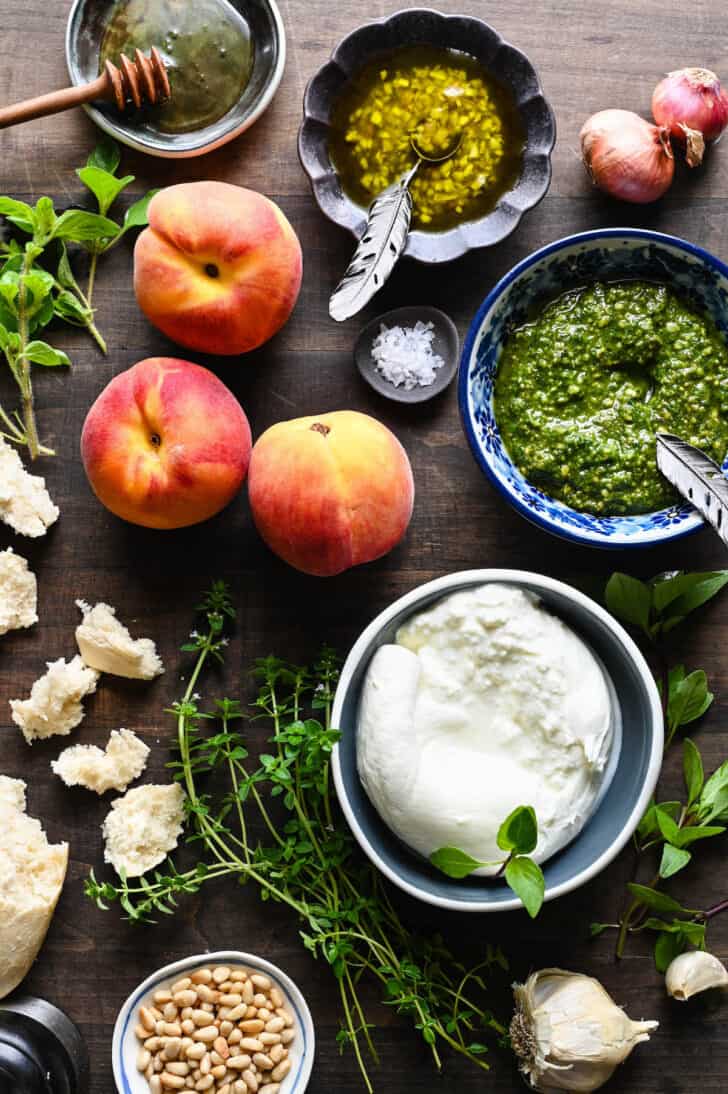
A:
<point x="84" y="32"/>
<point x="445" y="344"/>
<point x="422" y="26"/>
<point x="622" y="805"/>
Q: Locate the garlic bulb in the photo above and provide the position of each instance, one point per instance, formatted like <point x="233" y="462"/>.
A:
<point x="569" y="1032"/>
<point x="694" y="972"/>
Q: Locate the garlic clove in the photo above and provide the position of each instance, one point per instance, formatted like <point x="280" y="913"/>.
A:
<point x="569" y="1032"/>
<point x="693" y="972"/>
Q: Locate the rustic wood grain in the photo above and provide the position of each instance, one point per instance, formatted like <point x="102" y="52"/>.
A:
<point x="589" y="56"/>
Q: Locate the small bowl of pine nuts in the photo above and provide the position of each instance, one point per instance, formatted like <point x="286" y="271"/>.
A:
<point x="226" y="1023"/>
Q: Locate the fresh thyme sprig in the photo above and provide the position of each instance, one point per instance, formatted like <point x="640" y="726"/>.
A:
<point x="670" y="830"/>
<point x="306" y="859"/>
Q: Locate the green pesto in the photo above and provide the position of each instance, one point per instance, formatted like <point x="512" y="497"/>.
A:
<point x="583" y="388"/>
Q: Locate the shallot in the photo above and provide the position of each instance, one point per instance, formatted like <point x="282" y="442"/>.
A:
<point x="627" y="156"/>
<point x="693" y="106"/>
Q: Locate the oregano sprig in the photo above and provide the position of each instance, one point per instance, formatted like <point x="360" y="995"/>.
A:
<point x="38" y="285"/>
<point x="517" y="836"/>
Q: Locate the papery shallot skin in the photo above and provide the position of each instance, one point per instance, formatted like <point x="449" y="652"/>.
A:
<point x="626" y="156"/>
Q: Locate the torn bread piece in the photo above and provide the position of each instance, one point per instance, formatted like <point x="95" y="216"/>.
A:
<point x="54" y="705"/>
<point x="18" y="593"/>
<point x="123" y="760"/>
<point x="32" y="872"/>
<point x="106" y="645"/>
<point x="12" y="792"/>
<point x="142" y="827"/>
<point x="25" y="504"/>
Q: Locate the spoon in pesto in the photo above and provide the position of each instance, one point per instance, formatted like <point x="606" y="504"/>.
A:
<point x="385" y="234"/>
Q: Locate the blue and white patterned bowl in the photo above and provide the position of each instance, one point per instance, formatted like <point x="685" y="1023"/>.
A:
<point x="125" y="1044"/>
<point x="607" y="254"/>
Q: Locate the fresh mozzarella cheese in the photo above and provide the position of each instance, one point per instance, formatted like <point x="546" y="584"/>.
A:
<point x="486" y="702"/>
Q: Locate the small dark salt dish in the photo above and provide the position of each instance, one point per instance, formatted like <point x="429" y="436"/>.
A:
<point x="463" y="33"/>
<point x="445" y="344"/>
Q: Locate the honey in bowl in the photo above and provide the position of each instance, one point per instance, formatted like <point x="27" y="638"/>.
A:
<point x="207" y="48"/>
<point x="434" y="95"/>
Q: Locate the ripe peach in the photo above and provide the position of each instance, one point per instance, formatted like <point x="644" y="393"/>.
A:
<point x="219" y="267"/>
<point x="330" y="491"/>
<point x="166" y="444"/>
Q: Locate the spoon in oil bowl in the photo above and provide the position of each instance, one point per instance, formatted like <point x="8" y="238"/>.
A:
<point x="385" y="235"/>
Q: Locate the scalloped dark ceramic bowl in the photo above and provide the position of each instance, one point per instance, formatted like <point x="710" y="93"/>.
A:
<point x="422" y="26"/>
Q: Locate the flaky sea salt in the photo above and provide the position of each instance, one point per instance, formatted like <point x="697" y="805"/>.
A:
<point x="404" y="355"/>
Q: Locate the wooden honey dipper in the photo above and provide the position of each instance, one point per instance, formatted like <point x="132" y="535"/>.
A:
<point x="142" y="80"/>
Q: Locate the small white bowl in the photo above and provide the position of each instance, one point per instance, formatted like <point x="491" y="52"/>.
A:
<point x="125" y="1044"/>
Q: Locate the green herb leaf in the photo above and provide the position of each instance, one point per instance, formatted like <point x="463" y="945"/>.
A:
<point x="40" y="353"/>
<point x="693" y="772"/>
<point x="104" y="186"/>
<point x="69" y="308"/>
<point x="693" y="833"/>
<point x="713" y="802"/>
<point x="18" y="213"/>
<point x="661" y="902"/>
<point x="526" y="879"/>
<point x="136" y="215"/>
<point x="454" y="862"/>
<point x="667" y="826"/>
<point x="667" y="948"/>
<point x="698" y="589"/>
<point x="629" y="600"/>
<point x="688" y="700"/>
<point x="519" y="831"/>
<point x="106" y="155"/>
<point x="44" y="219"/>
<point x="81" y="227"/>
<point x="64" y="272"/>
<point x="673" y="860"/>
<point x="595" y="929"/>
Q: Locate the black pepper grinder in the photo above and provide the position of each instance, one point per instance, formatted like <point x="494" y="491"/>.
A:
<point x="41" y="1050"/>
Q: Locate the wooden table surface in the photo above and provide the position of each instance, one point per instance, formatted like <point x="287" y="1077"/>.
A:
<point x="589" y="56"/>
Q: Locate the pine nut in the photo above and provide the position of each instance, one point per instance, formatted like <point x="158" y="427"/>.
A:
<point x="239" y="1063"/>
<point x="250" y="1044"/>
<point x="177" y="1067"/>
<point x="276" y="997"/>
<point x="202" y="976"/>
<point x="251" y="1011"/>
<point x="170" y="1012"/>
<point x="185" y="998"/>
<point x="221" y="974"/>
<point x="252" y="1025"/>
<point x="225" y="1089"/>
<point x="153" y="1044"/>
<point x="188" y="1026"/>
<point x="269" y="1038"/>
<point x="262" y="1062"/>
<point x="172" y="1082"/>
<point x="287" y="1036"/>
<point x="219" y="1072"/>
<point x="239" y="1087"/>
<point x="261" y="981"/>
<point x="281" y="1070"/>
<point x="195" y="1051"/>
<point x="221" y="1047"/>
<point x="264" y="1013"/>
<point x="284" y="1014"/>
<point x="161" y="997"/>
<point x="239" y="975"/>
<point x="237" y="1013"/>
<point x="248" y="991"/>
<point x="226" y="988"/>
<point x="259" y="1000"/>
<point x="200" y="1017"/>
<point x="216" y="1057"/>
<point x="251" y="1080"/>
<point x="205" y="1084"/>
<point x="171" y="1029"/>
<point x="208" y="995"/>
<point x="207" y="1034"/>
<point x="226" y="1028"/>
<point x="155" y="1085"/>
<point x="143" y="1059"/>
<point x="277" y="1053"/>
<point x="205" y="1064"/>
<point x="158" y="1062"/>
<point x="172" y="1048"/>
<point x="181" y="985"/>
<point x="276" y="1025"/>
<point x="235" y="1037"/>
<point x="230" y="1000"/>
<point x="270" y="1088"/>
<point x="146" y="1018"/>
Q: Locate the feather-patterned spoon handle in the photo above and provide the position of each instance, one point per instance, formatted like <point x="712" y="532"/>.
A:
<point x="382" y="243"/>
<point x="697" y="478"/>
